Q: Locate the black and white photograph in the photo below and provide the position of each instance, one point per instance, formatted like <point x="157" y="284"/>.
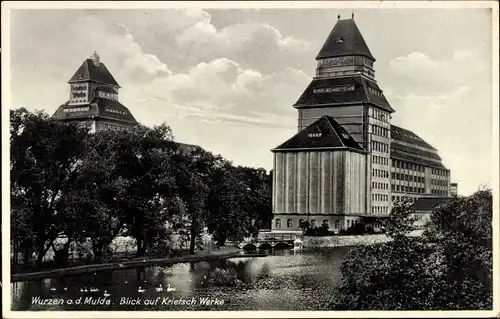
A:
<point x="250" y="159"/>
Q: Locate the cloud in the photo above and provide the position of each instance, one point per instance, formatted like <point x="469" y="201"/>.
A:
<point x="224" y="91"/>
<point x="419" y="73"/>
<point x="436" y="101"/>
<point x="254" y="44"/>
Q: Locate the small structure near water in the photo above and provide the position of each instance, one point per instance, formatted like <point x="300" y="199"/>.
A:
<point x="298" y="244"/>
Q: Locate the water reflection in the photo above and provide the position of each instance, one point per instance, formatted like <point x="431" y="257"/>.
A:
<point x="285" y="280"/>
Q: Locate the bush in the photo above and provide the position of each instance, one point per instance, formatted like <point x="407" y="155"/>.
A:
<point x="448" y="268"/>
<point x="357" y="229"/>
<point x="224" y="277"/>
<point x="319" y="231"/>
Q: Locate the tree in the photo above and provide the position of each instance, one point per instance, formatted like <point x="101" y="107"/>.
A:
<point x="228" y="217"/>
<point x="142" y="190"/>
<point x="449" y="267"/>
<point x="237" y="205"/>
<point x="304" y="225"/>
<point x="45" y="156"/>
<point x="193" y="171"/>
<point x="461" y="232"/>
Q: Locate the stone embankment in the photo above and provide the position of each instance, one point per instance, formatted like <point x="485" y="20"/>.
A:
<point x="346" y="241"/>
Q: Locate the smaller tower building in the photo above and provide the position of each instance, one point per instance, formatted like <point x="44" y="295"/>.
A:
<point x="94" y="100"/>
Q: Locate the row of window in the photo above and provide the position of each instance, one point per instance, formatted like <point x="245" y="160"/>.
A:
<point x="375" y="91"/>
<point x="313" y="223"/>
<point x="378" y="130"/>
<point x="380" y="160"/>
<point x="115" y="111"/>
<point x="76" y="109"/>
<point x="418" y="156"/>
<point x="342" y="88"/>
<point x="380" y="197"/>
<point x="378" y="185"/>
<point x="401" y="198"/>
<point x="397" y="141"/>
<point x="107" y="95"/>
<point x="439" y="182"/>
<point x="338" y="73"/>
<point x="440" y="172"/>
<point x="380" y="147"/>
<point x="380" y="209"/>
<point x="439" y="192"/>
<point x="407" y="189"/>
<point x="380" y="173"/>
<point x="313" y="135"/>
<point x="407" y="177"/>
<point x="408" y="166"/>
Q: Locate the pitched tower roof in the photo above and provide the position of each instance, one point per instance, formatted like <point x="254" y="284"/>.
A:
<point x="92" y="71"/>
<point x="342" y="90"/>
<point x="325" y="133"/>
<point x="345" y="39"/>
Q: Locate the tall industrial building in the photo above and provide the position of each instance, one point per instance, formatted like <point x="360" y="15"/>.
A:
<point x="347" y="162"/>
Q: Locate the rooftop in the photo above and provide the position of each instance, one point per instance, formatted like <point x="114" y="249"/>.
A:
<point x="344" y="39"/>
<point x="399" y="133"/>
<point x="325" y="133"/>
<point x="98" y="107"/>
<point x="89" y="71"/>
<point x="428" y="203"/>
<point x="343" y="90"/>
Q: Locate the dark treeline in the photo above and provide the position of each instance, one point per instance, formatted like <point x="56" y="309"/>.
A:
<point x="138" y="183"/>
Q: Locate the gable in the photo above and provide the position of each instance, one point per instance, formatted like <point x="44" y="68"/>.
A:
<point x="324" y="133"/>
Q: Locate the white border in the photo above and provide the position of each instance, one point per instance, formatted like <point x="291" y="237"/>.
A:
<point x="7" y="6"/>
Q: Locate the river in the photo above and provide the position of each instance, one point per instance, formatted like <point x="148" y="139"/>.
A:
<point x="283" y="280"/>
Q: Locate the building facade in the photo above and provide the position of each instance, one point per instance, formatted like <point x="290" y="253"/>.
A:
<point x="94" y="100"/>
<point x="339" y="184"/>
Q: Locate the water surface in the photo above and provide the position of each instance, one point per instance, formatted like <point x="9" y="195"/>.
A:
<point x="284" y="280"/>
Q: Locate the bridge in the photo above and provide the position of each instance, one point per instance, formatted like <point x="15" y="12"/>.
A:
<point x="269" y="241"/>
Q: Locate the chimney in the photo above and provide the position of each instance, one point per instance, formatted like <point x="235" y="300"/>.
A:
<point x="95" y="59"/>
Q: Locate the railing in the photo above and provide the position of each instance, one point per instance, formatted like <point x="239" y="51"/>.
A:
<point x="276" y="237"/>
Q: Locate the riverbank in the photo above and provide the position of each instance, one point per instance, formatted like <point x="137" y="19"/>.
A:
<point x="223" y="253"/>
<point x="348" y="241"/>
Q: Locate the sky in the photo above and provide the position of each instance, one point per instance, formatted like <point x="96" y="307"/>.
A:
<point x="227" y="79"/>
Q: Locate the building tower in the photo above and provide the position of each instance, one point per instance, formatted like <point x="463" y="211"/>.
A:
<point x="347" y="162"/>
<point x="345" y="89"/>
<point x="93" y="99"/>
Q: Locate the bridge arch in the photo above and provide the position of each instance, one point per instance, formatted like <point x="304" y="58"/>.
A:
<point x="249" y="246"/>
<point x="282" y="245"/>
<point x="265" y="246"/>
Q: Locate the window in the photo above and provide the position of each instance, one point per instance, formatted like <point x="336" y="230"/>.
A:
<point x="289" y="223"/>
<point x="313" y="135"/>
<point x="278" y="223"/>
<point x="337" y="224"/>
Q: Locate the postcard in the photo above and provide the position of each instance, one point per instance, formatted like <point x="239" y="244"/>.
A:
<point x="250" y="159"/>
